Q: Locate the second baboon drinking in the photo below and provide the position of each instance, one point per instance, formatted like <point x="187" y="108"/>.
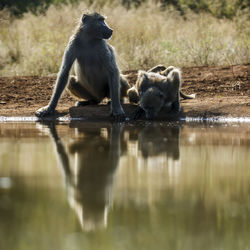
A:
<point x="97" y="74"/>
<point x="154" y="90"/>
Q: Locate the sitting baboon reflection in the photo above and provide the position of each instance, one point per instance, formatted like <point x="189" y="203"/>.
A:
<point x="89" y="184"/>
<point x="156" y="139"/>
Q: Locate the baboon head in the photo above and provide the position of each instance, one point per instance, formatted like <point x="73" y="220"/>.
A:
<point x="151" y="101"/>
<point x="95" y="26"/>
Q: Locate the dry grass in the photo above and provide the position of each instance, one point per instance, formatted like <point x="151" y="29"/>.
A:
<point x="143" y="37"/>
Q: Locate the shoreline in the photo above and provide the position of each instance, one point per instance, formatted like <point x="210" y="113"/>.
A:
<point x="200" y="113"/>
<point x="198" y="120"/>
<point x="222" y="93"/>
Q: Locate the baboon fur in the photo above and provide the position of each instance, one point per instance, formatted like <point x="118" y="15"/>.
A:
<point x="97" y="74"/>
<point x="155" y="89"/>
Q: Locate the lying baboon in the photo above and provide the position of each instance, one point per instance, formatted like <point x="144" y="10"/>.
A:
<point x="161" y="69"/>
<point x="155" y="90"/>
<point x="97" y="74"/>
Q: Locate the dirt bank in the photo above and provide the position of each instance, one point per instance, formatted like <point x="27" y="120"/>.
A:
<point x="220" y="91"/>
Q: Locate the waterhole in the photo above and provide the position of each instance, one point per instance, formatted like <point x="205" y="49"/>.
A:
<point x="145" y="186"/>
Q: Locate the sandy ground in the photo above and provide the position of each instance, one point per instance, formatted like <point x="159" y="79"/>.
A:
<point x="220" y="91"/>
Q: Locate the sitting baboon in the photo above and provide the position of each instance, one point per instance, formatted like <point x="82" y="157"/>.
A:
<point x="155" y="90"/>
<point x="89" y="181"/>
<point x="97" y="74"/>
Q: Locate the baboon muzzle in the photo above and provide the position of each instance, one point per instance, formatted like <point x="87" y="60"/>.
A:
<point x="107" y="33"/>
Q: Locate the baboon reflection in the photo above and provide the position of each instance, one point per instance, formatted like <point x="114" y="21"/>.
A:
<point x="97" y="74"/>
<point x="155" y="139"/>
<point x="89" y="183"/>
<point x="96" y="152"/>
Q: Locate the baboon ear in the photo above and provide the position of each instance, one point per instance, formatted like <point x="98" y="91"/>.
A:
<point x="84" y="17"/>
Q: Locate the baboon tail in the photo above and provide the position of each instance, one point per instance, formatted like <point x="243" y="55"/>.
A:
<point x="184" y="96"/>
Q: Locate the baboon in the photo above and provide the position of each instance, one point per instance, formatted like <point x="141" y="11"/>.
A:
<point x="162" y="70"/>
<point x="89" y="181"/>
<point x="97" y="74"/>
<point x="151" y="143"/>
<point x="156" y="89"/>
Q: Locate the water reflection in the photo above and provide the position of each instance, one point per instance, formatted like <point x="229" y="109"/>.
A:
<point x="97" y="151"/>
<point x="132" y="186"/>
<point x="89" y="183"/>
<point x="154" y="140"/>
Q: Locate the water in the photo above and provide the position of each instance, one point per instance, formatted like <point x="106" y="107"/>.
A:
<point x="144" y="186"/>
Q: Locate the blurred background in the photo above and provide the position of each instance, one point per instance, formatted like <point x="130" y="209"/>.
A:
<point x="33" y="34"/>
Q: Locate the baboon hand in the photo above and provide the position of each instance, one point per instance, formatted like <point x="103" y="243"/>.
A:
<point x="44" y="111"/>
<point x="118" y="116"/>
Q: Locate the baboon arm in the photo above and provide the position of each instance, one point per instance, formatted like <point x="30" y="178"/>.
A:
<point x="114" y="88"/>
<point x="62" y="78"/>
<point x="115" y="144"/>
<point x="62" y="155"/>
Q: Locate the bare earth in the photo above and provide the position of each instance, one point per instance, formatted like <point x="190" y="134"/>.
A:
<point x="220" y="91"/>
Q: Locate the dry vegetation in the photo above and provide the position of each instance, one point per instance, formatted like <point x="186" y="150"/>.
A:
<point x="143" y="37"/>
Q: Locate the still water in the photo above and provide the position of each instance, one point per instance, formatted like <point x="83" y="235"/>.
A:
<point x="103" y="186"/>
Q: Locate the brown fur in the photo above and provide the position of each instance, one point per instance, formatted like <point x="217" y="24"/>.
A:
<point x="155" y="89"/>
<point x="97" y="74"/>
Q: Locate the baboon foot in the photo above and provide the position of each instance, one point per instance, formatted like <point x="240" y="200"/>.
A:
<point x="45" y="111"/>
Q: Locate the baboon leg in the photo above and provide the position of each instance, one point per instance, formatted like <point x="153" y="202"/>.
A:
<point x="124" y="86"/>
<point x="157" y="69"/>
<point x="167" y="70"/>
<point x="80" y="92"/>
<point x="176" y="106"/>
